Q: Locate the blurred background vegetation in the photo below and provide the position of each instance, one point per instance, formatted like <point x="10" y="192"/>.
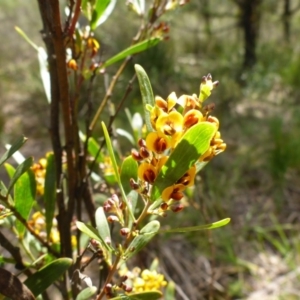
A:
<point x="252" y="48"/>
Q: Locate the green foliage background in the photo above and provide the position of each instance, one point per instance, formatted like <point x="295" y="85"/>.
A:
<point x="255" y="181"/>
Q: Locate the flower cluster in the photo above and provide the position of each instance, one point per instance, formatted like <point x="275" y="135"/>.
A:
<point x="170" y="120"/>
<point x="39" y="170"/>
<point x="147" y="280"/>
<point x="38" y="223"/>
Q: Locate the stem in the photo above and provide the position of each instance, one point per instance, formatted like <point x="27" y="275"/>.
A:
<point x="31" y="230"/>
<point x="15" y="253"/>
<point x="109" y="277"/>
<point x="109" y="92"/>
<point x="26" y="249"/>
<point x="75" y="17"/>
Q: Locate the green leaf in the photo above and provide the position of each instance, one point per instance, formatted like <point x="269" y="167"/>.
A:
<point x="3" y="192"/>
<point x="132" y="199"/>
<point x="200" y="165"/>
<point x="102" y="10"/>
<point x="115" y="167"/>
<point x="92" y="233"/>
<point x="169" y="293"/>
<point x="10" y="170"/>
<point x="142" y="239"/>
<point x="14" y="148"/>
<point x="102" y="225"/>
<point x="136" y="48"/>
<point x="87" y="293"/>
<point x="129" y="170"/>
<point x="43" y="62"/>
<point x="125" y="134"/>
<point x="43" y="278"/>
<point x="153" y="295"/>
<point x="194" y="143"/>
<point x="200" y="227"/>
<point x="24" y="196"/>
<point x="103" y="228"/>
<point x="100" y="7"/>
<point x="93" y="147"/>
<point x="21" y="169"/>
<point x="86" y="8"/>
<point x="111" y="151"/>
<point x="50" y="192"/>
<point x="146" y="92"/>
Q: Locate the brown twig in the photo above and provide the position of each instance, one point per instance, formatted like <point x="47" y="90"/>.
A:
<point x="15" y="253"/>
<point x="109" y="92"/>
<point x="32" y="231"/>
<point x="75" y="17"/>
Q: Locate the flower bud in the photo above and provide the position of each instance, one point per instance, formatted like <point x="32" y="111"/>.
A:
<point x="72" y="64"/>
<point x="112" y="219"/>
<point x="124" y="231"/>
<point x="136" y="155"/>
<point x="177" y="208"/>
<point x="142" y="143"/>
<point x="134" y="185"/>
<point x="144" y="152"/>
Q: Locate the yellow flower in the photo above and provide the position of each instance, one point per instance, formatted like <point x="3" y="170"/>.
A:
<point x="39" y="170"/>
<point x="147" y="172"/>
<point x="149" y="281"/>
<point x="174" y="192"/>
<point x="188" y="178"/>
<point x="217" y="146"/>
<point x="171" y="123"/>
<point x="188" y="102"/>
<point x="157" y="142"/>
<point x="155" y="112"/>
<point x="191" y="118"/>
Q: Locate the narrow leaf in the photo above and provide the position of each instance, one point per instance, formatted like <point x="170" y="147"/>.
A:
<point x="169" y="293"/>
<point x="115" y="167"/>
<point x="200" y="227"/>
<point x="102" y="224"/>
<point x="15" y="147"/>
<point x="136" y="48"/>
<point x="93" y="147"/>
<point x="21" y="169"/>
<point x="146" y="92"/>
<point x="50" y="192"/>
<point x="129" y="171"/>
<point x="194" y="143"/>
<point x="43" y="278"/>
<point x="142" y="239"/>
<point x="43" y="62"/>
<point x="100" y="7"/>
<point x="44" y="72"/>
<point x="10" y="170"/>
<point x="25" y="37"/>
<point x="104" y="15"/>
<point x="86" y="9"/>
<point x="153" y="295"/>
<point x="103" y="228"/>
<point x="132" y="200"/>
<point x="24" y="196"/>
<point x="87" y="293"/>
<point x="3" y="192"/>
<point x="125" y="134"/>
<point x="92" y="233"/>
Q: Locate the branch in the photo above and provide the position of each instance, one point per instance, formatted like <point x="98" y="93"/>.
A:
<point x="109" y="92"/>
<point x="15" y="253"/>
